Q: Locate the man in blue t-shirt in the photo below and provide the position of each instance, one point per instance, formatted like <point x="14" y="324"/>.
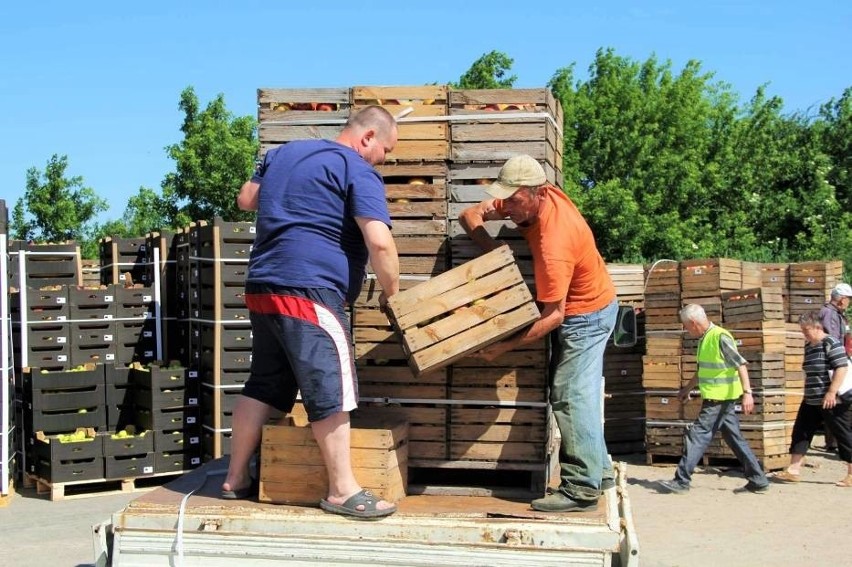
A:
<point x="321" y="214"/>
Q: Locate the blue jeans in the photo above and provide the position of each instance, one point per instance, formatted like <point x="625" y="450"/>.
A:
<point x="718" y="416"/>
<point x="576" y="392"/>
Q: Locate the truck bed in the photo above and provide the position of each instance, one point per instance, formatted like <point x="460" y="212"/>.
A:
<point x="186" y="523"/>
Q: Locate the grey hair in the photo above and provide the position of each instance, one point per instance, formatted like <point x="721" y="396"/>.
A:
<point x="693" y="312"/>
<point x="373" y="117"/>
<point x="810" y="319"/>
<point x="835" y="295"/>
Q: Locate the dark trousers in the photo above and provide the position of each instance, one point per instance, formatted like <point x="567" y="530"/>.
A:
<point x="838" y="420"/>
<point x="718" y="416"/>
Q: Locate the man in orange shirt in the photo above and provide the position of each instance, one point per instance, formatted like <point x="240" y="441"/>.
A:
<point x="578" y="307"/>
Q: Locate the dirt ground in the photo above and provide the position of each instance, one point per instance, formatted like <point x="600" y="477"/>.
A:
<point x="791" y="525"/>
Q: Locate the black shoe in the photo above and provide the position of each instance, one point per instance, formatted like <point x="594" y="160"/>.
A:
<point x="560" y="502"/>
<point x="753" y="488"/>
<point x="672" y="487"/>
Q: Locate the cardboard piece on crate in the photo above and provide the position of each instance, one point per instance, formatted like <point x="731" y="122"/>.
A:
<point x="292" y="470"/>
<point x="462" y="310"/>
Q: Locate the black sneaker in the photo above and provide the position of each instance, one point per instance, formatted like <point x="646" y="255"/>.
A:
<point x="752" y="487"/>
<point x="672" y="487"/>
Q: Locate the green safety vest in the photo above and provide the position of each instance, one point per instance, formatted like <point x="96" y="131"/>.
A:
<point x="716" y="380"/>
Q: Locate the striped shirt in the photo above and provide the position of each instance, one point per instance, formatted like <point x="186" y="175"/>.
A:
<point x="829" y="354"/>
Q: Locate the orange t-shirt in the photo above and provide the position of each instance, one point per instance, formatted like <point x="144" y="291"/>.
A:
<point x="565" y="257"/>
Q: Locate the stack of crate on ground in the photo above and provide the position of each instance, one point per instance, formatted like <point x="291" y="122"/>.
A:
<point x="295" y="114"/>
<point x="624" y="405"/>
<point x="661" y="366"/>
<point x="811" y="284"/>
<point x="123" y="260"/>
<point x="221" y="330"/>
<point x="755" y="318"/>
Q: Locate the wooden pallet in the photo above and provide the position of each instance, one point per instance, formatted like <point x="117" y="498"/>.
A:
<point x="772" y="463"/>
<point x="97" y="487"/>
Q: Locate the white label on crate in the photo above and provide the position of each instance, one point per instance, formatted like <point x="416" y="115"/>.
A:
<point x="147" y="334"/>
<point x="194" y="440"/>
<point x="108" y="338"/>
<point x="193" y="401"/>
<point x="62" y="358"/>
<point x="252" y="229"/>
<point x="193" y="373"/>
<point x="773" y="279"/>
<point x="811" y="280"/>
<point x="148" y="470"/>
<point x="149" y="353"/>
<point x="738" y="407"/>
<point x="109" y="298"/>
<point x="61" y="340"/>
<point x="249" y="358"/>
<point x="739" y="342"/>
<point x="251" y="335"/>
<point x="146" y="315"/>
<point x="195" y="461"/>
<point x="110" y="356"/>
<point x="698" y="271"/>
<point x="60" y="300"/>
<point x="142" y="248"/>
<point x="107" y="316"/>
<point x="148" y="298"/>
<point x="121" y="277"/>
<point x="808" y="300"/>
<point x="664" y="401"/>
<point x="624" y="372"/>
<point x="60" y="317"/>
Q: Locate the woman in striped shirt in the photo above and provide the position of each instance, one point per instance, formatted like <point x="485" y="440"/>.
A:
<point x="825" y="366"/>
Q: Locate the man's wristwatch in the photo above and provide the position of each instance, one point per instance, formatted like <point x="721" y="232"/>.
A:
<point x="747" y="392"/>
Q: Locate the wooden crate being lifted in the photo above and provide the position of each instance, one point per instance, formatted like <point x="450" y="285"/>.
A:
<point x="462" y="310"/>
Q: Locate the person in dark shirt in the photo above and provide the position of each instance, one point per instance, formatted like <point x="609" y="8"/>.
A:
<point x="827" y="398"/>
<point x="321" y="214"/>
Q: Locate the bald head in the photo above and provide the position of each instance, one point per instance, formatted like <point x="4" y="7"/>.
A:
<point x="372" y="132"/>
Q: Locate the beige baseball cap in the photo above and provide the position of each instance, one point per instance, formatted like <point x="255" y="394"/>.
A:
<point x="518" y="171"/>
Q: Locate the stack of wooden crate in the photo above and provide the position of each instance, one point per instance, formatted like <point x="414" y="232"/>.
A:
<point x="123" y="260"/>
<point x="662" y="373"/>
<point x="624" y="408"/>
<point x="221" y="330"/>
<point x="811" y="284"/>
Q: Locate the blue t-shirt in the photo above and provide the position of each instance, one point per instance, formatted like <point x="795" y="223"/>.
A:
<point x="310" y="193"/>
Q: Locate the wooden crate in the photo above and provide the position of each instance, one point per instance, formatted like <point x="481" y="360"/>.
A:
<point x="665" y="341"/>
<point x="811" y="284"/>
<point x="423" y="134"/>
<point x="462" y="310"/>
<point x="754" y="304"/>
<point x="498" y="434"/>
<point x="662" y="310"/>
<point x="664" y="438"/>
<point x="709" y="276"/>
<point x="769" y="406"/>
<point x="664" y="405"/>
<point x="767" y="440"/>
<point x="766" y="370"/>
<point x="295" y="114"/>
<point x="292" y="470"/>
<point x="501" y="123"/>
<point x="629" y="280"/>
<point x="427" y="426"/>
<point x="662" y="277"/>
<point x="659" y="372"/>
<point x="759" y="337"/>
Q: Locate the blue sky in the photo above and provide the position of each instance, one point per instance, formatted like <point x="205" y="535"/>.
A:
<point x="100" y="81"/>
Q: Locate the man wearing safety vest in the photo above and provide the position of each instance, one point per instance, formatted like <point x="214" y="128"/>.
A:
<point x="722" y="378"/>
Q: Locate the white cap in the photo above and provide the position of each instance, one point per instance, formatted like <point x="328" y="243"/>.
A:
<point x="842" y="289"/>
<point x="518" y="171"/>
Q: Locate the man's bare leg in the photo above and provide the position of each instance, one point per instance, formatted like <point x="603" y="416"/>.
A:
<point x="333" y="437"/>
<point x="250" y="416"/>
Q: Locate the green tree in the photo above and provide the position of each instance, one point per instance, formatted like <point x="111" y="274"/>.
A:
<point x="213" y="160"/>
<point x="145" y="212"/>
<point x="488" y="72"/>
<point x="56" y="208"/>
